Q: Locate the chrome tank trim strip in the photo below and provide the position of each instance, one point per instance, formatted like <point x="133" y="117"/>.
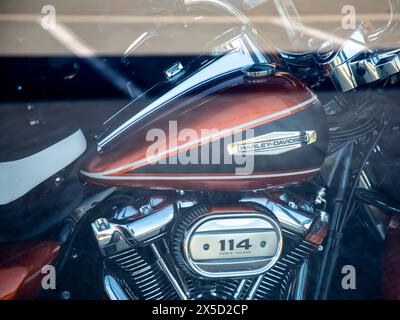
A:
<point x="189" y="177"/>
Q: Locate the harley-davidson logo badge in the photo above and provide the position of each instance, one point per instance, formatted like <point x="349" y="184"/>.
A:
<point x="273" y="143"/>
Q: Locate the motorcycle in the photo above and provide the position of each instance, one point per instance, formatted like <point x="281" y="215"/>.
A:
<point x="233" y="178"/>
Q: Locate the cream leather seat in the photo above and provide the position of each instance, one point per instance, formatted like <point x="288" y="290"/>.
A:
<point x="19" y="176"/>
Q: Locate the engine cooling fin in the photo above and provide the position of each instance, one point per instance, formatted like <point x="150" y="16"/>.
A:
<point x="143" y="279"/>
<point x="178" y="233"/>
<point x="275" y="282"/>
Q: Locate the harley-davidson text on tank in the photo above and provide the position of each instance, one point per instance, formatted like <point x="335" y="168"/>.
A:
<point x="273" y="143"/>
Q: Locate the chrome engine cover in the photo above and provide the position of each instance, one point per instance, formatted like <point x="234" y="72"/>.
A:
<point x="190" y="249"/>
<point x="227" y="245"/>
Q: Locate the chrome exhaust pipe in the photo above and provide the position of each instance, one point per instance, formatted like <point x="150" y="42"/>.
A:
<point x="300" y="286"/>
<point x="113" y="290"/>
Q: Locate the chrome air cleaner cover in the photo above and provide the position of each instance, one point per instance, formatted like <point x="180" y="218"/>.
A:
<point x="232" y="244"/>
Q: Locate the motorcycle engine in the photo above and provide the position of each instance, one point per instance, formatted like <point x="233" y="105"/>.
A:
<point x="257" y="247"/>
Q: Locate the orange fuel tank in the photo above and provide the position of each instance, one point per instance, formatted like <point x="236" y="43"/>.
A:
<point x="233" y="133"/>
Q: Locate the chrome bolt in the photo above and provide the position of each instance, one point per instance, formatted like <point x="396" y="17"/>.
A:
<point x="284" y="197"/>
<point x="206" y="246"/>
<point x="292" y="205"/>
<point x="146" y="209"/>
<point x="263" y="244"/>
<point x="58" y="180"/>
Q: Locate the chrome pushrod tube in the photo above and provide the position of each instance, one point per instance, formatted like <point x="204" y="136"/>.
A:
<point x="183" y="295"/>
